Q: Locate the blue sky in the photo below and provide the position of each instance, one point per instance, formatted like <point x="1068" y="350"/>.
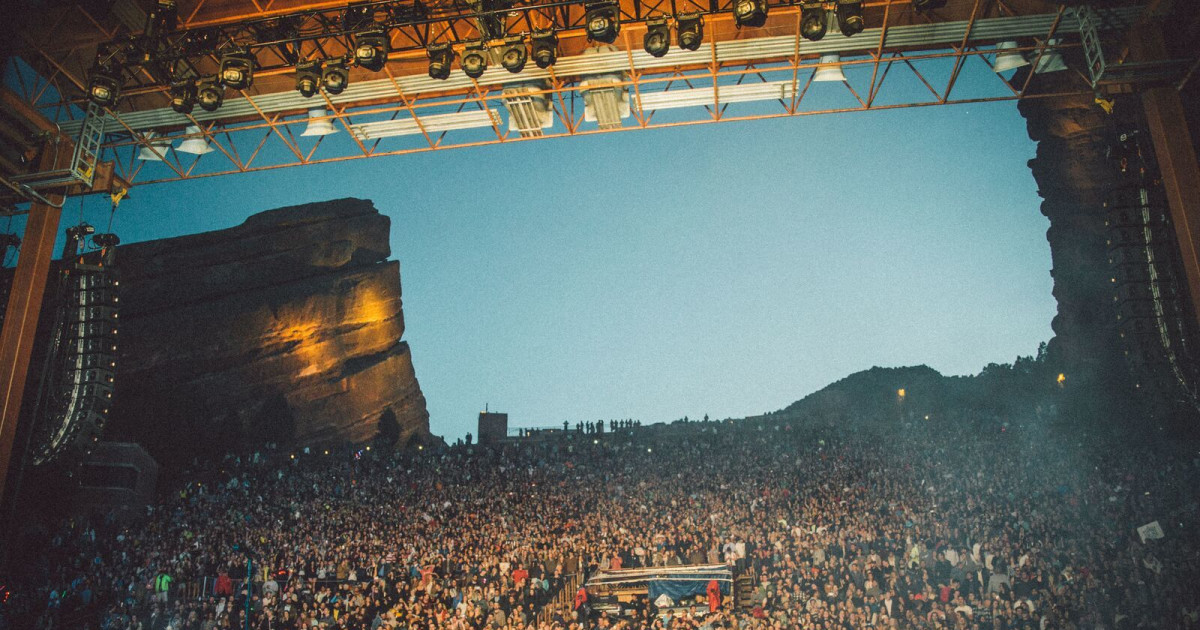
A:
<point x="723" y="269"/>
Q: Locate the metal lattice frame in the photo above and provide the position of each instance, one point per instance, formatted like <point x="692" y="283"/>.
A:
<point x="773" y="67"/>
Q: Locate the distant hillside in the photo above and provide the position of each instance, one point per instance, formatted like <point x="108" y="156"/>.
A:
<point x="1024" y="389"/>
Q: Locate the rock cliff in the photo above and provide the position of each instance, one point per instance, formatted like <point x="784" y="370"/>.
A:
<point x="286" y="328"/>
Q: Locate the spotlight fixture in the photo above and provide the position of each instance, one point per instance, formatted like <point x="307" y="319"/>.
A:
<point x="153" y="150"/>
<point x="813" y="21"/>
<point x="850" y="17"/>
<point x="440" y="58"/>
<point x="545" y="48"/>
<point x="104" y="87"/>
<point x="1008" y="58"/>
<point x="319" y="124"/>
<point x="927" y="5"/>
<point x="196" y="145"/>
<point x="829" y="68"/>
<point x="237" y="71"/>
<point x="210" y="94"/>
<point x="749" y="13"/>
<point x="514" y="56"/>
<point x="371" y="50"/>
<point x="603" y="21"/>
<point x="658" y="37"/>
<point x="308" y="78"/>
<point x="474" y="60"/>
<point x="183" y="96"/>
<point x="334" y="76"/>
<point x="690" y="27"/>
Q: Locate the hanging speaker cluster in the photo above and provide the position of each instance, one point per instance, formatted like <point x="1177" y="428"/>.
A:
<point x="76" y="394"/>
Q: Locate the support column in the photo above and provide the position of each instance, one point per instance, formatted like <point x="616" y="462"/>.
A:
<point x="1176" y="157"/>
<point x="21" y="320"/>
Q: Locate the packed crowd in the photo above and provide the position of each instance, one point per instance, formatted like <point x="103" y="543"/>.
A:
<point x="919" y="525"/>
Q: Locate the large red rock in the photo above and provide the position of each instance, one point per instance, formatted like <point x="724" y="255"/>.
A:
<point x="286" y="328"/>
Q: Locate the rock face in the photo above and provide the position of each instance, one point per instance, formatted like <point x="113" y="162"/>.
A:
<point x="286" y="328"/>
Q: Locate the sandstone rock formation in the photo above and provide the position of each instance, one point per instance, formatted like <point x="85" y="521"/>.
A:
<point x="286" y="328"/>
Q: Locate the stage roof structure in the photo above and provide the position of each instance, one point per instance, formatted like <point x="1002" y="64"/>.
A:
<point x="911" y="53"/>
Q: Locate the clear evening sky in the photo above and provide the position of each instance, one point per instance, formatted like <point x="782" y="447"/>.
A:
<point x="719" y="269"/>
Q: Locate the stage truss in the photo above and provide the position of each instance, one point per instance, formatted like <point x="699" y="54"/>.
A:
<point x="755" y="74"/>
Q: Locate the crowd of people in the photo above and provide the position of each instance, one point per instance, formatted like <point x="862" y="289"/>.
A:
<point x="953" y="523"/>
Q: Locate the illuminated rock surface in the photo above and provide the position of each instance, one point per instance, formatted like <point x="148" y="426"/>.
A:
<point x="285" y="328"/>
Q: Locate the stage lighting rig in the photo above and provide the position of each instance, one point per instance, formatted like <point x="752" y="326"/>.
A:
<point x="514" y="56"/>
<point x="308" y="78"/>
<point x="658" y="37"/>
<point x="850" y="17"/>
<point x="371" y="49"/>
<point x="237" y="70"/>
<point x="210" y="94"/>
<point x="183" y="96"/>
<point x="474" y="60"/>
<point x="162" y="18"/>
<point x="603" y="21"/>
<point x="749" y="13"/>
<point x="690" y="27"/>
<point x="813" y="21"/>
<point x="441" y="56"/>
<point x="104" y="86"/>
<point x="545" y="48"/>
<point x="490" y="17"/>
<point x="334" y="76"/>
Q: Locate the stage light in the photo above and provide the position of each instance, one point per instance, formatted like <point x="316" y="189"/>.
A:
<point x="183" y="96"/>
<point x="749" y="13"/>
<point x="850" y="17"/>
<point x="441" y="56"/>
<point x="1051" y="60"/>
<point x="605" y="101"/>
<point x="104" y="87"/>
<point x="371" y="50"/>
<point x="514" y="56"/>
<point x="813" y="21"/>
<point x="334" y="76"/>
<point x="474" y="60"/>
<point x="603" y="21"/>
<point x="237" y="71"/>
<point x="318" y="123"/>
<point x="545" y="48"/>
<point x="210" y="94"/>
<point x="658" y="37"/>
<point x="1007" y="58"/>
<point x="829" y="68"/>
<point x="156" y="149"/>
<point x="308" y="78"/>
<point x="927" y="5"/>
<point x="195" y="146"/>
<point x="690" y="27"/>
